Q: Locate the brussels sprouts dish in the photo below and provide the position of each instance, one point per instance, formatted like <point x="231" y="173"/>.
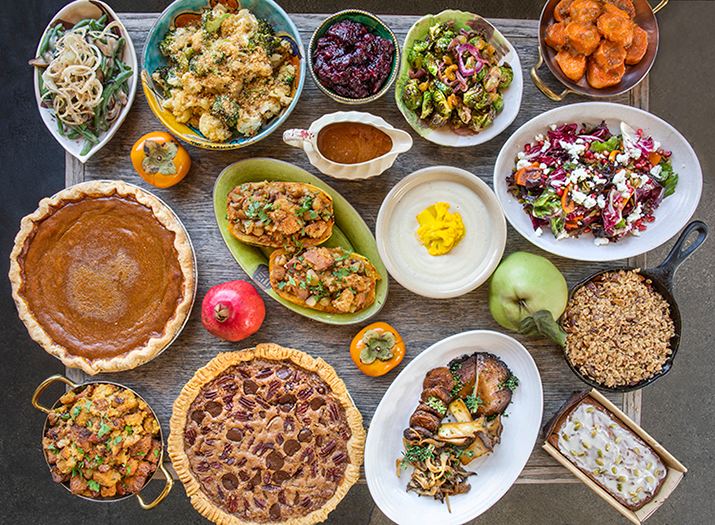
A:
<point x="456" y="79"/>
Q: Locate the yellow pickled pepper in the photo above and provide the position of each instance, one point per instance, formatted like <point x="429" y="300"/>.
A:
<point x="439" y="230"/>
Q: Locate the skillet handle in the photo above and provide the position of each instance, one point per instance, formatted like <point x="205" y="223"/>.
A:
<point x="677" y="255"/>
<point x="47" y="382"/>
<point x="660" y="6"/>
<point x="542" y="86"/>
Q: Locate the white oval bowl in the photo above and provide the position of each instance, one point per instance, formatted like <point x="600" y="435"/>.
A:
<point x="496" y="472"/>
<point x="670" y="217"/>
<point x="467" y="265"/>
<point x="307" y="140"/>
<point x="73" y="13"/>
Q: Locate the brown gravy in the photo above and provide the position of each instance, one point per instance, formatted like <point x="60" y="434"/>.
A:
<point x="352" y="142"/>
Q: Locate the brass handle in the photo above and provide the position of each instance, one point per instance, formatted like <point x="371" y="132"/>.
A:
<point x="160" y="497"/>
<point x="543" y="87"/>
<point x="660" y="6"/>
<point x="47" y="382"/>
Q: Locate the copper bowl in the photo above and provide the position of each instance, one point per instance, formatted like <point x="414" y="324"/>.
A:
<point x="78" y="388"/>
<point x="645" y="18"/>
<point x="661" y="279"/>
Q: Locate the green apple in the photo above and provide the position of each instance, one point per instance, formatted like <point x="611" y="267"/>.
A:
<point x="524" y="284"/>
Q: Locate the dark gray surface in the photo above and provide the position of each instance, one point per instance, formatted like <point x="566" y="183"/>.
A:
<point x="678" y="410"/>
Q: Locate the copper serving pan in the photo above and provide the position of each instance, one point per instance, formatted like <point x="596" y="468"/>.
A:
<point x="645" y="18"/>
<point x="662" y="281"/>
<point x="160" y="464"/>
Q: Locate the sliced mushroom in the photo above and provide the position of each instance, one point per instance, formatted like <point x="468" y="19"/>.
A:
<point x="492" y="389"/>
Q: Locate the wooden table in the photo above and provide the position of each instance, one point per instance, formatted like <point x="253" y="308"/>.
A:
<point x="421" y="321"/>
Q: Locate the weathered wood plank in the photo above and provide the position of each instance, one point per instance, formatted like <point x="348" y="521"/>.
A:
<point x="421" y="321"/>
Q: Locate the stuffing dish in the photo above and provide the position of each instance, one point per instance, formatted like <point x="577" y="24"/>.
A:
<point x="103" y="441"/>
<point x="327" y="279"/>
<point x="280" y="214"/>
<point x="228" y="75"/>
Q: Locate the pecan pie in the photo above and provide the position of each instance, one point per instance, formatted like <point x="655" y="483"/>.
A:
<point x="103" y="276"/>
<point x="266" y="435"/>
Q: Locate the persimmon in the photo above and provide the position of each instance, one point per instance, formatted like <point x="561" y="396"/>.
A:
<point x="573" y="66"/>
<point x="585" y="11"/>
<point x="556" y="37"/>
<point x="160" y="159"/>
<point x="377" y="349"/>
<point x="637" y="50"/>
<point x="609" y="55"/>
<point x="600" y="78"/>
<point x="584" y="38"/>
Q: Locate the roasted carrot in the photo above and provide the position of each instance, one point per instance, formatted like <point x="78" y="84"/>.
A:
<point x="584" y="38"/>
<point x="573" y="66"/>
<point x="609" y="55"/>
<point x="636" y="51"/>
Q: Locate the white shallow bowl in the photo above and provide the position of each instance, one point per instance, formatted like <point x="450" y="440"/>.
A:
<point x="670" y="217"/>
<point x="467" y="265"/>
<point x="307" y="140"/>
<point x="73" y="13"/>
<point x="496" y="472"/>
<point x="512" y="95"/>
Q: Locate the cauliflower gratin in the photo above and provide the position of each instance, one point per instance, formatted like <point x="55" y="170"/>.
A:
<point x="229" y="73"/>
<point x="103" y="441"/>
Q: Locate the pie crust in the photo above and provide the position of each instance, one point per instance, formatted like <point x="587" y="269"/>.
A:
<point x="91" y="292"/>
<point x="194" y="440"/>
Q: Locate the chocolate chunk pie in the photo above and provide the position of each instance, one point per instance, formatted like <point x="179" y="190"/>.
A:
<point x="103" y="276"/>
<point x="266" y="435"/>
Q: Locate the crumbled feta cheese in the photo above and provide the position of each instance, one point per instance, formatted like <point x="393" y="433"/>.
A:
<point x="539" y="137"/>
<point x="636" y="232"/>
<point x="553" y="127"/>
<point x="538" y="231"/>
<point x="600" y="241"/>
<point x="656" y="145"/>
<point x="589" y="202"/>
<point x="620" y="181"/>
<point x="601" y="201"/>
<point x="578" y="196"/>
<point x="520" y="155"/>
<point x="573" y="149"/>
<point x="543" y="166"/>
<point x="563" y="234"/>
<point x="655" y="170"/>
<point x="635" y="214"/>
<point x="523" y="163"/>
<point x="622" y="158"/>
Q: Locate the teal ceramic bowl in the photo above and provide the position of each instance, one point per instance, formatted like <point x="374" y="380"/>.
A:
<point x="153" y="59"/>
<point x="375" y="26"/>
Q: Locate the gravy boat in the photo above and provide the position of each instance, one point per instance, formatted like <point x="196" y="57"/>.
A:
<point x="307" y="140"/>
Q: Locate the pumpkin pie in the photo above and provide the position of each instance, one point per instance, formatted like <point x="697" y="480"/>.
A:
<point x="103" y="275"/>
<point x="266" y="435"/>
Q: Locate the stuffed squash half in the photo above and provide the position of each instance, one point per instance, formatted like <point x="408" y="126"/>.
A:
<point x="280" y="214"/>
<point x="327" y="279"/>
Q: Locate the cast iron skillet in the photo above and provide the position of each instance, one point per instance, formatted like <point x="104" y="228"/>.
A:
<point x="662" y="282"/>
<point x="645" y="18"/>
<point x="75" y="387"/>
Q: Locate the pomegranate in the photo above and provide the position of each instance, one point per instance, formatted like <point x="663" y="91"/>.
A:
<point x="232" y="310"/>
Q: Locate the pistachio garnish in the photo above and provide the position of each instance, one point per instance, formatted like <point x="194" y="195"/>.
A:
<point x="612" y="425"/>
<point x="599" y="461"/>
<point x="637" y="472"/>
<point x="650" y="465"/>
<point x="618" y="459"/>
<point x="619" y="486"/>
<point x="649" y="479"/>
<point x="586" y="445"/>
<point x="608" y="447"/>
<point x="614" y="470"/>
<point x="656" y="472"/>
<point x="600" y="453"/>
<point x="565" y="436"/>
<point x="590" y="410"/>
<point x="622" y="479"/>
<point x="618" y="440"/>
<point x="637" y="450"/>
<point x="593" y="433"/>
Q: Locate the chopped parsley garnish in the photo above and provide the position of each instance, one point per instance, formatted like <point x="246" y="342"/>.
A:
<point x="417" y="453"/>
<point x="103" y="430"/>
<point x="75" y="411"/>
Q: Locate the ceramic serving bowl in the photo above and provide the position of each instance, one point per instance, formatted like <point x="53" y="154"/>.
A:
<point x="507" y="54"/>
<point x="375" y="26"/>
<point x="69" y="15"/>
<point x="645" y="18"/>
<point x="178" y="13"/>
<point x="467" y="265"/>
<point x="77" y="389"/>
<point x="307" y="140"/>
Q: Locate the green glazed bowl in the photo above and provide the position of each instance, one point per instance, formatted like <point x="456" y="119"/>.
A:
<point x="349" y="231"/>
